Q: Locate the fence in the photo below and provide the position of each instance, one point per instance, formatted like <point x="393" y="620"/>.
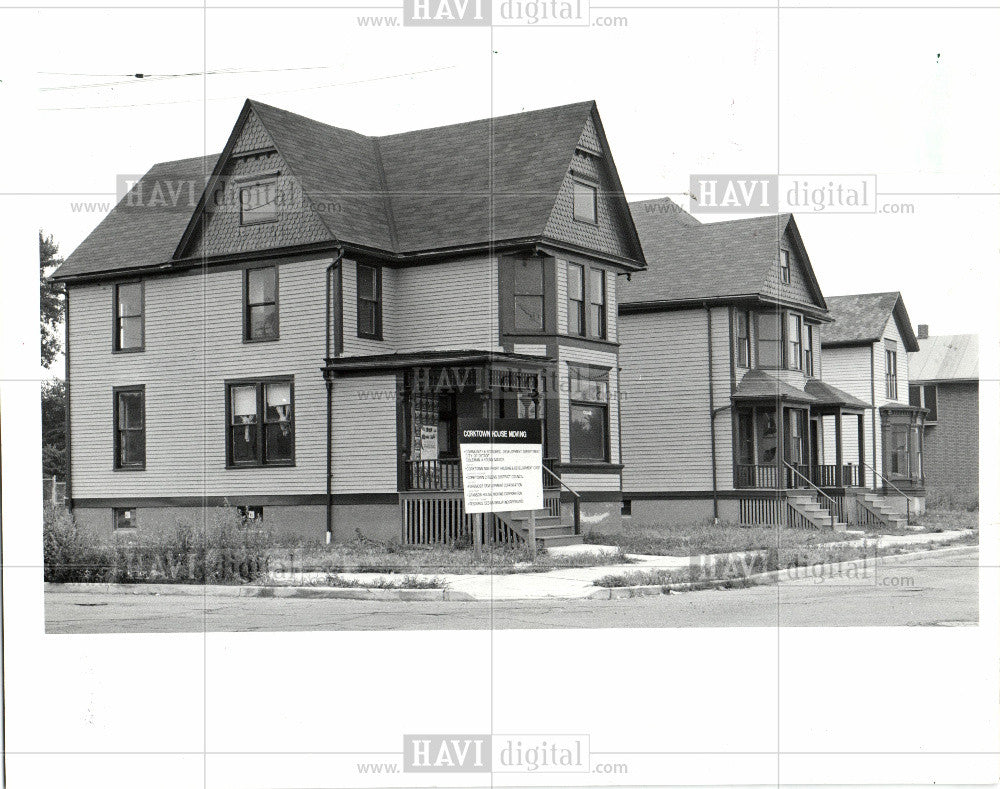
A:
<point x="53" y="491"/>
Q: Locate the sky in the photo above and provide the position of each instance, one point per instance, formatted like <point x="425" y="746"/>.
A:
<point x="897" y="94"/>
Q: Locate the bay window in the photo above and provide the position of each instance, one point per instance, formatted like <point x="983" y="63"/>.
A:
<point x="770" y="340"/>
<point x="794" y="342"/>
<point x="588" y="413"/>
<point x="529" y="295"/>
<point x="598" y="323"/>
<point x="574" y="293"/>
<point x="743" y="338"/>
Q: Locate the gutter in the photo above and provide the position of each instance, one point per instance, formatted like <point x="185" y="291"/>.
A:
<point x="334" y="265"/>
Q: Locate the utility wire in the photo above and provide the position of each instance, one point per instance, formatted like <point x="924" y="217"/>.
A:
<point x="135" y="79"/>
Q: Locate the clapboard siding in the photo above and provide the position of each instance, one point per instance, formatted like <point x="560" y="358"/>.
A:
<point x="591" y="482"/>
<point x="444" y="306"/>
<point x="850" y="369"/>
<point x="193" y="344"/>
<point x="665" y="402"/>
<point x="364" y="435"/>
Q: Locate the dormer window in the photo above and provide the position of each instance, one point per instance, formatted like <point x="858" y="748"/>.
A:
<point x="785" y="266"/>
<point x="259" y="202"/>
<point x="585" y="202"/>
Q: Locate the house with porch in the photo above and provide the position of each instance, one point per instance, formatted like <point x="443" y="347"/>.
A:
<point x="727" y="413"/>
<point x="944" y="379"/>
<point x="295" y="326"/>
<point x="865" y="352"/>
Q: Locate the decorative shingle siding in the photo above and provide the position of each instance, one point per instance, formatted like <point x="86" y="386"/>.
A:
<point x="608" y="235"/>
<point x="297" y="223"/>
<point x="951" y="446"/>
<point x="798" y="289"/>
<point x="665" y="402"/>
<point x="194" y="342"/>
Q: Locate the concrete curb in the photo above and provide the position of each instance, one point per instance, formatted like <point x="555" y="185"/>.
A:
<point x="773" y="576"/>
<point x="435" y="595"/>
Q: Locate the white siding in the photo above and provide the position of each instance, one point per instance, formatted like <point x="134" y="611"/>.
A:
<point x="530" y="350"/>
<point x="850" y="369"/>
<point x="193" y="344"/>
<point x="665" y="401"/>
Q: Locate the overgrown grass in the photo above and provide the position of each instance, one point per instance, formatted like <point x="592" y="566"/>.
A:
<point x="707" y="537"/>
<point x="946" y="520"/>
<point x="380" y="582"/>
<point x="369" y="556"/>
<point x="216" y="549"/>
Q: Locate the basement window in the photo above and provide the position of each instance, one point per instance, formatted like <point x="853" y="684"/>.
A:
<point x="251" y="515"/>
<point x="125" y="518"/>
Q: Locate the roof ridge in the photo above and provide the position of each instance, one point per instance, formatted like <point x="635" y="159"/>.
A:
<point x="390" y="216"/>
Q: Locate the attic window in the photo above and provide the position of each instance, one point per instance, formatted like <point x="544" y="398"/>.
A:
<point x="258" y="202"/>
<point x="584" y="202"/>
<point x="784" y="262"/>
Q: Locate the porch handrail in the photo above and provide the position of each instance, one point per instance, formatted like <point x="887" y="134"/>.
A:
<point x="833" y="504"/>
<point x="573" y="493"/>
<point x="889" y="483"/>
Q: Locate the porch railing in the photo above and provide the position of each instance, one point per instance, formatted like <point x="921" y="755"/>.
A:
<point x="825" y="501"/>
<point x="890" y="485"/>
<point x="756" y="476"/>
<point x="825" y="476"/>
<point x="554" y="482"/>
<point x="446" y="474"/>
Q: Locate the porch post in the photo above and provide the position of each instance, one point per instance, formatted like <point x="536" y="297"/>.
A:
<point x="861" y="449"/>
<point x="838" y="471"/>
<point x="779" y="456"/>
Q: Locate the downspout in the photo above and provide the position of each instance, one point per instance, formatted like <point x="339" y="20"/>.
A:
<point x="711" y="415"/>
<point x="874" y="443"/>
<point x="334" y="265"/>
<point x="69" y="429"/>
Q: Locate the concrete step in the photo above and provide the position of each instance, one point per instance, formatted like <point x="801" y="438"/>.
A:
<point x="562" y="539"/>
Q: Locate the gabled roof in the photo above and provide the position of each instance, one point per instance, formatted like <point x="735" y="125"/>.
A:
<point x="417" y="192"/>
<point x="946" y="357"/>
<point x="663" y="208"/>
<point x="689" y="261"/>
<point x="134" y="235"/>
<point x="861" y="318"/>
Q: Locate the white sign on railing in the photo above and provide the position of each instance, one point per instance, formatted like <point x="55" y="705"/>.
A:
<point x="501" y="464"/>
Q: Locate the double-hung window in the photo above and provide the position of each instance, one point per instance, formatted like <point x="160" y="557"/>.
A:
<point x="598" y="318"/>
<point x="891" y="390"/>
<point x="743" y="338"/>
<point x="574" y="292"/>
<point x="808" y="364"/>
<point x="129" y="321"/>
<point x="785" y="266"/>
<point x="260" y="308"/>
<point x="925" y="396"/>
<point x="588" y="413"/>
<point x="770" y="340"/>
<point x="529" y="295"/>
<point x="261" y="423"/>
<point x="794" y="342"/>
<point x="130" y="427"/>
<point x="369" y="302"/>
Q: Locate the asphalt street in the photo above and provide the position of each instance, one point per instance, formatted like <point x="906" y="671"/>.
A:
<point x="928" y="590"/>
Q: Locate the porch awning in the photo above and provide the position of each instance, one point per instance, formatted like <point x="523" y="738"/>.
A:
<point x="832" y="396"/>
<point x="758" y="385"/>
<point x="390" y="362"/>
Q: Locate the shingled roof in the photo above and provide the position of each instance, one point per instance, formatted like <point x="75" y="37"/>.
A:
<point x="946" y="357"/>
<point x="420" y="191"/>
<point x="690" y="261"/>
<point x="861" y="318"/>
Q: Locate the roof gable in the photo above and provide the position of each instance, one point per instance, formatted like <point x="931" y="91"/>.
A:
<point x="689" y="261"/>
<point x="861" y="318"/>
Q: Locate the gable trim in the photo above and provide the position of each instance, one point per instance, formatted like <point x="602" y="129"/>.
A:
<point x="792" y="229"/>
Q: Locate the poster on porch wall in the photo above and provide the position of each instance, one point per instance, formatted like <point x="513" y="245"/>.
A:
<point x="429" y="442"/>
<point x="501" y="464"/>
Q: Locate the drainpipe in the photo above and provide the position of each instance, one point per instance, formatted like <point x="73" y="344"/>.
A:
<point x="874" y="438"/>
<point x="334" y="265"/>
<point x="711" y="414"/>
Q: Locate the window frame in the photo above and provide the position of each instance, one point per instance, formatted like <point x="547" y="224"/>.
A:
<point x="794" y="356"/>
<point x="362" y="331"/>
<point x="116" y="346"/>
<point x="601" y="318"/>
<point x="247" y="335"/>
<point x="809" y="350"/>
<point x="891" y="370"/>
<point x="593" y="187"/>
<point x="515" y="294"/>
<point x="116" y="463"/>
<point x="785" y="266"/>
<point x="605" y="405"/>
<point x="781" y="342"/>
<point x="743" y="343"/>
<point x="260" y="450"/>
<point x="242" y="187"/>
<point x="580" y="302"/>
<point x="115" y="511"/>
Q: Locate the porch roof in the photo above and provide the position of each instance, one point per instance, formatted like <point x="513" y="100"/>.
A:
<point x="386" y="362"/>
<point x="758" y="385"/>
<point x="826" y="394"/>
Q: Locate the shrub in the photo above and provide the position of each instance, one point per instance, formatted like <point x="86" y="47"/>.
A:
<point x="69" y="554"/>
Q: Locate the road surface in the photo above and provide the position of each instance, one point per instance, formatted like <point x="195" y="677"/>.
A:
<point x="929" y="590"/>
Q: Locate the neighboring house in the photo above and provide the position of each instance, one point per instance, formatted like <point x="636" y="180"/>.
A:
<point x="724" y="392"/>
<point x="299" y="337"/>
<point x="944" y="379"/>
<point x="865" y="353"/>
